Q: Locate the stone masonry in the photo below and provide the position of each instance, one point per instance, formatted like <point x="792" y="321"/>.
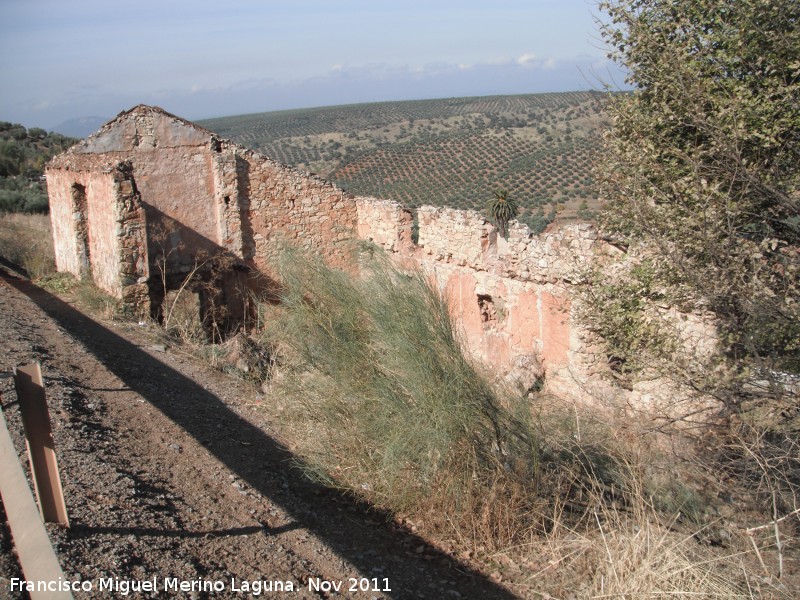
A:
<point x="511" y="298"/>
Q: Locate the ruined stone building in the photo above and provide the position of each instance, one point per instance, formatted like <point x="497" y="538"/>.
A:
<point x="143" y="201"/>
<point x="140" y="203"/>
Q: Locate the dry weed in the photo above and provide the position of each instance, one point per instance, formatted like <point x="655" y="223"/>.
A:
<point x="26" y="241"/>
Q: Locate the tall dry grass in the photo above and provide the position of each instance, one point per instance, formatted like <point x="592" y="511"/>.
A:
<point x="26" y="241"/>
<point x="377" y="396"/>
<point x="375" y="383"/>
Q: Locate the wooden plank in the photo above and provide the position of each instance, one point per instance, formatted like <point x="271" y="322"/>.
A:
<point x="41" y="447"/>
<point x="36" y="555"/>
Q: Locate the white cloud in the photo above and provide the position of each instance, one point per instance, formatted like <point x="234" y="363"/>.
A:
<point x="526" y="59"/>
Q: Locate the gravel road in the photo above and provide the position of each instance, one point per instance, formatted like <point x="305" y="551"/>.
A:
<point x="175" y="476"/>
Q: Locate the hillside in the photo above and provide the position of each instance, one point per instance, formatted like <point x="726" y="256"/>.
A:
<point x="23" y="155"/>
<point x="449" y="152"/>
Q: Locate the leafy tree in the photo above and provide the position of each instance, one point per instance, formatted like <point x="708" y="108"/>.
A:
<point x="501" y="209"/>
<point x="700" y="172"/>
<point x="37" y="133"/>
<point x="23" y="155"/>
<point x="12" y="155"/>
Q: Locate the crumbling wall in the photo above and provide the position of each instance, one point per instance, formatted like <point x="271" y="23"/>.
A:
<point x="287" y="206"/>
<point x="196" y="195"/>
<point x="512" y="299"/>
<point x="151" y="191"/>
<point x="461" y="237"/>
<point x="99" y="226"/>
<point x="385" y="223"/>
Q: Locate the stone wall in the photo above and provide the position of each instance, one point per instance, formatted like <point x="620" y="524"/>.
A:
<point x="512" y="299"/>
<point x="385" y="223"/>
<point x="131" y="233"/>
<point x="286" y="206"/>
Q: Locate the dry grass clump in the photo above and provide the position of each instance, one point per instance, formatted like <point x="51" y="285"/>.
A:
<point x="378" y="398"/>
<point x="384" y="401"/>
<point x="631" y="554"/>
<point x="25" y="240"/>
<point x="631" y="518"/>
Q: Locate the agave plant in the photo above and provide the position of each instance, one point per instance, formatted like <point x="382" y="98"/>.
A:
<point x="501" y="210"/>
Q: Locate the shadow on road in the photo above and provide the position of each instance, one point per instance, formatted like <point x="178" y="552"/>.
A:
<point x="85" y="532"/>
<point x="351" y="533"/>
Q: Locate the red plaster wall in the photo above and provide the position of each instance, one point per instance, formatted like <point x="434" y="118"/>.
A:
<point x="463" y="301"/>
<point x="179" y="183"/>
<point x="555" y="330"/>
<point x="62" y="218"/>
<point x="102" y="225"/>
<point x="524" y="324"/>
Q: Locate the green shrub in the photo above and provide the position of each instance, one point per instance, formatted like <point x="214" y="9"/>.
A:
<point x="373" y="369"/>
<point x="700" y="169"/>
<point x="16" y="195"/>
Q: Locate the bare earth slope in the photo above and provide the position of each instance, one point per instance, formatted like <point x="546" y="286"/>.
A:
<point x="170" y="470"/>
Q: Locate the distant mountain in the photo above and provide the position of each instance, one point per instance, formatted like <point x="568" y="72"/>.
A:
<point x="80" y="127"/>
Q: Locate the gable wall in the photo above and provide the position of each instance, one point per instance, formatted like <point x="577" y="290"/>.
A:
<point x="178" y="183"/>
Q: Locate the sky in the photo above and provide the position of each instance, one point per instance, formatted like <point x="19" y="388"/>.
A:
<point x="200" y="59"/>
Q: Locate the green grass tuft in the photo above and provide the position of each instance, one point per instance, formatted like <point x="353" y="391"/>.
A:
<point x="373" y="368"/>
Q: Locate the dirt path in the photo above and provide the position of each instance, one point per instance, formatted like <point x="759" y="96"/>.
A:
<point x="171" y="472"/>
